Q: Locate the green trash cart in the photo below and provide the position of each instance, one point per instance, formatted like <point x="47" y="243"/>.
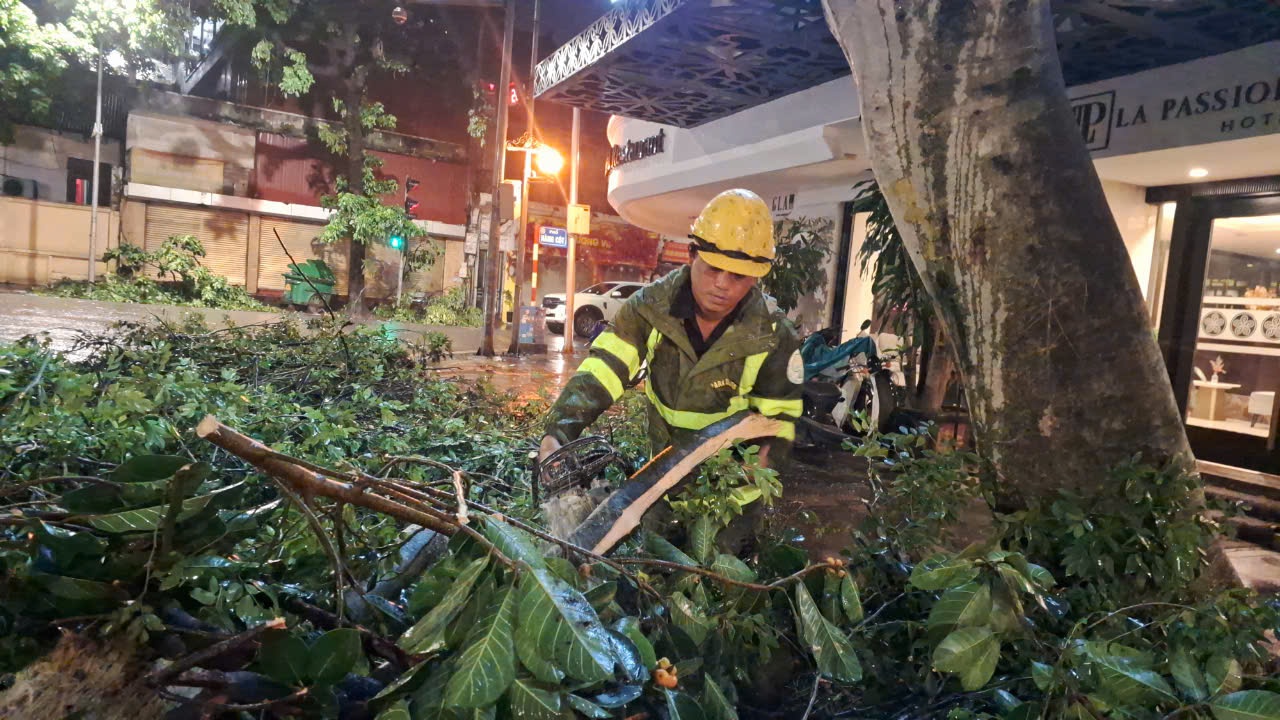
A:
<point x="310" y="285"/>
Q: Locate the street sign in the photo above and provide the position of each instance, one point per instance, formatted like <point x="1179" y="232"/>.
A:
<point x="579" y="217"/>
<point x="554" y="237"/>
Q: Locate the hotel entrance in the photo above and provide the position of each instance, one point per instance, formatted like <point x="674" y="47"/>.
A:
<point x="1220" y="328"/>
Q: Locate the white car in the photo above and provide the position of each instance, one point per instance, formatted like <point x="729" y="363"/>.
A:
<point x="590" y="306"/>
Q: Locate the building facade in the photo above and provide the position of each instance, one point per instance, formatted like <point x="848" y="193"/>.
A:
<point x="1183" y="126"/>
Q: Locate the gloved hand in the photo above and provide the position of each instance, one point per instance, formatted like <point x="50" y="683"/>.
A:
<point x="549" y="445"/>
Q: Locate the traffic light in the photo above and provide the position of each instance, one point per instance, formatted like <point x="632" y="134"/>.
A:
<point x="395" y="242"/>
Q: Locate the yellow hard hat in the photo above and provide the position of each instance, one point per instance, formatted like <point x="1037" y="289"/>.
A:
<point x="735" y="233"/>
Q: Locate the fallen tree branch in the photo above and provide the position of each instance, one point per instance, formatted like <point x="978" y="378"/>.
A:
<point x="163" y="675"/>
<point x="309" y="482"/>
<point x="779" y="584"/>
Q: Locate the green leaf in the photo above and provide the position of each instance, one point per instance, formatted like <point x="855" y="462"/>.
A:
<point x="333" y="655"/>
<point x="513" y="542"/>
<point x="588" y="708"/>
<point x="149" y="519"/>
<point x="1041" y="675"/>
<point x="95" y="498"/>
<point x="1128" y="682"/>
<point x="1222" y="673"/>
<point x="966" y="606"/>
<point x="602" y="595"/>
<point x="146" y="468"/>
<point x="283" y="658"/>
<point x="971" y="653"/>
<point x="702" y="539"/>
<point x="532" y="703"/>
<point x="77" y="589"/>
<point x="681" y="706"/>
<point x="1042" y="577"/>
<point x="427" y="634"/>
<point x="941" y="572"/>
<point x="564" y="628"/>
<point x="630" y="628"/>
<point x="830" y="647"/>
<point x="399" y="711"/>
<point x="732" y="568"/>
<point x="532" y="659"/>
<point x="1187" y="676"/>
<point x="714" y="702"/>
<point x="664" y="550"/>
<point x="487" y="665"/>
<point x="1247" y="705"/>
<point x="688" y="618"/>
<point x="850" y="599"/>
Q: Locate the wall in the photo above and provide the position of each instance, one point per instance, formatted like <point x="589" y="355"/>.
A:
<point x="41" y="242"/>
<point x="1137" y="222"/>
<point x="191" y="154"/>
<point x="41" y="155"/>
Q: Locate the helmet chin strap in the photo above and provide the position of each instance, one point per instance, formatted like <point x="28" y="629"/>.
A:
<point x="706" y="246"/>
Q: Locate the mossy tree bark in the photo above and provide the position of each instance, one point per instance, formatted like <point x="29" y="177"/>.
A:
<point x="973" y="143"/>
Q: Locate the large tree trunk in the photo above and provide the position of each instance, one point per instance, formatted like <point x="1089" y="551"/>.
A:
<point x="972" y="140"/>
<point x="354" y="102"/>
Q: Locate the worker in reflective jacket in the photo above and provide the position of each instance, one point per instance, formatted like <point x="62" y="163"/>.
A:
<point x="711" y="344"/>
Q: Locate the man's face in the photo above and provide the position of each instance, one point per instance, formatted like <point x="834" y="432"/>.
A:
<point x="717" y="291"/>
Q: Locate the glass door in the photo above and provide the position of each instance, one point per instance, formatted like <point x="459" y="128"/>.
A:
<point x="1231" y="404"/>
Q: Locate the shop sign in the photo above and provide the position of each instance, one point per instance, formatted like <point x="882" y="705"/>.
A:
<point x="1225" y="97"/>
<point x="637" y="150"/>
<point x="553" y="237"/>
<point x="782" y="205"/>
<point x="675" y="252"/>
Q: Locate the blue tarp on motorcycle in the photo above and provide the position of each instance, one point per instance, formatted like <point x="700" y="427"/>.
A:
<point x="819" y="356"/>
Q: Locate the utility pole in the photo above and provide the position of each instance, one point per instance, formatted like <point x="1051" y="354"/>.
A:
<point x="493" y="289"/>
<point x="97" y="158"/>
<point x="571" y="256"/>
<point x="532" y="133"/>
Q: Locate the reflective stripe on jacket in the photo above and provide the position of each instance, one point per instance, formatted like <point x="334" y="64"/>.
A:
<point x="746" y="368"/>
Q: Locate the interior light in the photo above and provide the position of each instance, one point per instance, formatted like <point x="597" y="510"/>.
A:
<point x="1198" y="172"/>
<point x="1278" y="251"/>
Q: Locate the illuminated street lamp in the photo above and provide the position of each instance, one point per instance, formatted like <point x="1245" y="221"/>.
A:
<point x="549" y="162"/>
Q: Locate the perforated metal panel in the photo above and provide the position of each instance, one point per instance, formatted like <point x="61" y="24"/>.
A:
<point x="273" y="262"/>
<point x="225" y="236"/>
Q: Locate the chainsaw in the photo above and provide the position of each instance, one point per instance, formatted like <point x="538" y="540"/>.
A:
<point x="577" y="464"/>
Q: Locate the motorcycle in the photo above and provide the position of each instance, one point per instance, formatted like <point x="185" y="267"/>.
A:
<point x="849" y="388"/>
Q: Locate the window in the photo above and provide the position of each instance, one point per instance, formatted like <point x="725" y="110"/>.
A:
<point x="600" y="289"/>
<point x="627" y="291"/>
<point x="80" y="182"/>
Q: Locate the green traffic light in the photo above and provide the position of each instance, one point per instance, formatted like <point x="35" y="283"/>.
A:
<point x="395" y="242"/>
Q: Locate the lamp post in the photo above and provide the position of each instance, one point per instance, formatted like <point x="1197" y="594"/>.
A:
<point x="548" y="163"/>
<point x="531" y="131"/>
<point x="571" y="253"/>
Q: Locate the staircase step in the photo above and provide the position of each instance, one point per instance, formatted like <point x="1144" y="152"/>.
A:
<point x="1254" y="531"/>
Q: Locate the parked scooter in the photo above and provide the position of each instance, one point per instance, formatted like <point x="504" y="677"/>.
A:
<point x="844" y="381"/>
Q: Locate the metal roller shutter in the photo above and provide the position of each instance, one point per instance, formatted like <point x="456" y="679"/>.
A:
<point x="225" y="236"/>
<point x="273" y="262"/>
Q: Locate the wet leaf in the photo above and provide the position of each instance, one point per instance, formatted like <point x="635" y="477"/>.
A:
<point x="149" y="519"/>
<point x="941" y="573"/>
<point x="831" y="649"/>
<point x="487" y="665"/>
<point x="1127" y="681"/>
<point x="399" y="711"/>
<point x="513" y="542"/>
<point x="427" y="635"/>
<point x="588" y="708"/>
<point x="284" y="658"/>
<point x="1247" y="705"/>
<point x="1222" y="674"/>
<point x="664" y="550"/>
<point x="732" y="568"/>
<point x="682" y="706"/>
<point x="964" y="606"/>
<point x="702" y="539"/>
<point x="1187" y="676"/>
<point x="1041" y="675"/>
<point x="147" y="468"/>
<point x="850" y="599"/>
<point x="970" y="653"/>
<point x="630" y="627"/>
<point x="688" y="618"/>
<point x="333" y="655"/>
<point x="564" y="628"/>
<point x="714" y="702"/>
<point x="528" y="702"/>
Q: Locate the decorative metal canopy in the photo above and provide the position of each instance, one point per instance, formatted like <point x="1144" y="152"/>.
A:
<point x="687" y="62"/>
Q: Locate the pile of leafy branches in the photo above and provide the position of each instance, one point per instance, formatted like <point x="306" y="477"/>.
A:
<point x="183" y="281"/>
<point x="449" y="308"/>
<point x="121" y="521"/>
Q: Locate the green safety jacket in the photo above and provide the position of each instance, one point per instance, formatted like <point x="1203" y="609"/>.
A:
<point x="754" y="365"/>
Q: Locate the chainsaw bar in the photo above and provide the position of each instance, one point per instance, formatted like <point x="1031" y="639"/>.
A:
<point x="577" y="463"/>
